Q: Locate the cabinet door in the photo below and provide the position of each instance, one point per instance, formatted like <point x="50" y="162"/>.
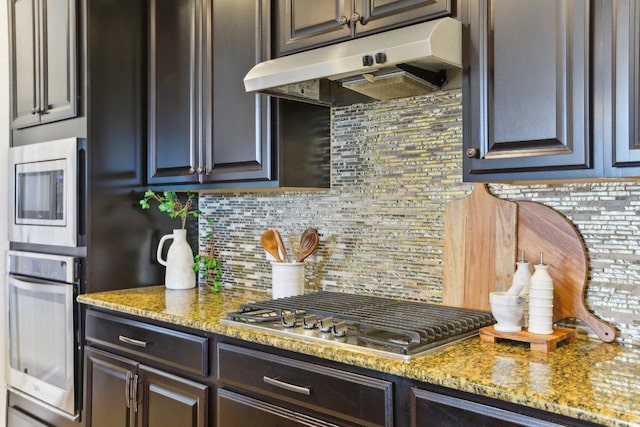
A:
<point x="626" y="92"/>
<point x="239" y="147"/>
<point x="43" y="61"/>
<point x="58" y="87"/>
<point x="107" y="389"/>
<point x="379" y="14"/>
<point x="303" y="24"/>
<point x="169" y="401"/>
<point x="526" y="90"/>
<point x="24" y="65"/>
<point x="175" y="91"/>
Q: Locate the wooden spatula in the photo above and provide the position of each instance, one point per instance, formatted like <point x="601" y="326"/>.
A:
<point x="270" y="244"/>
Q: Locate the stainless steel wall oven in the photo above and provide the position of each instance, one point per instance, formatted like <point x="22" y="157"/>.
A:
<point x="44" y="363"/>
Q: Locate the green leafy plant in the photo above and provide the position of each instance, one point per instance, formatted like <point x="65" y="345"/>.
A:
<point x="169" y="202"/>
<point x="208" y="262"/>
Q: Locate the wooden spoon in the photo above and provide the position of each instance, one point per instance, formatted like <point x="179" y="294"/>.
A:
<point x="281" y="247"/>
<point x="308" y="243"/>
<point x="270" y="244"/>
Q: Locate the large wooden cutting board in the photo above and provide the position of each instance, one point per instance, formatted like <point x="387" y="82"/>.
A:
<point x="480" y="241"/>
<point x="543" y="229"/>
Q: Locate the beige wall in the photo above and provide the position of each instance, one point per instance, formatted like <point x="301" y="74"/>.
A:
<point x="4" y="144"/>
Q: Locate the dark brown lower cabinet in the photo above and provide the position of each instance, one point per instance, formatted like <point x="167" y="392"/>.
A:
<point x="303" y="392"/>
<point x="145" y="373"/>
<point x="122" y="392"/>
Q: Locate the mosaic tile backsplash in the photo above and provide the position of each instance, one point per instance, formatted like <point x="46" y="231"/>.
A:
<point x="394" y="166"/>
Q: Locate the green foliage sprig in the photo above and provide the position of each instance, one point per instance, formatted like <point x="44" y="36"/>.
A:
<point x="169" y="202"/>
<point x="209" y="263"/>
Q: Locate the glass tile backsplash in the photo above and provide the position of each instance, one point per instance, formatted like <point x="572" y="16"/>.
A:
<point x="394" y="165"/>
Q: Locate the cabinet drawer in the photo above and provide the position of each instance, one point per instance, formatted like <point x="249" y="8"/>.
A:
<point x="439" y="409"/>
<point x="352" y="397"/>
<point x="239" y="410"/>
<point x="178" y="349"/>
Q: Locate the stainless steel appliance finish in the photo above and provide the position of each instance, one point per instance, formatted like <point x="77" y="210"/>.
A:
<point x="415" y="56"/>
<point x="394" y="328"/>
<point x="44" y="348"/>
<point x="46" y="182"/>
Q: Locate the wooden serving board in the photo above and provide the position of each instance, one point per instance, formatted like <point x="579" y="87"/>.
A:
<point x="543" y="229"/>
<point x="479" y="248"/>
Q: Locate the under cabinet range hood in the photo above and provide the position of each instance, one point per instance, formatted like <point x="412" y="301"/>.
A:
<point x="399" y="63"/>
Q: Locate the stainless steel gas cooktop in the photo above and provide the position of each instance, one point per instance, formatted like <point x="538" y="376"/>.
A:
<point x="384" y="326"/>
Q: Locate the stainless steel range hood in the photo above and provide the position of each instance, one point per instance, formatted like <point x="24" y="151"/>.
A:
<point x="398" y="63"/>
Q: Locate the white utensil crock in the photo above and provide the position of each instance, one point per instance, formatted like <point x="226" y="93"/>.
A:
<point x="287" y="279"/>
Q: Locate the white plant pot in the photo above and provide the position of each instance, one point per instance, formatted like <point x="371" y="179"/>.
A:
<point x="179" y="263"/>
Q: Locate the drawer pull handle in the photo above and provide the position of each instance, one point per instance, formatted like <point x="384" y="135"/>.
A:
<point x="132" y="341"/>
<point x="287" y="386"/>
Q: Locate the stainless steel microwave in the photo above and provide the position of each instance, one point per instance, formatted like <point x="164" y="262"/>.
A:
<point x="47" y="182"/>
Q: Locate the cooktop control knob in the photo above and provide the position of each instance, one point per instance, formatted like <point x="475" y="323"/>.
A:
<point x="309" y="322"/>
<point x="340" y="330"/>
<point x="326" y="324"/>
<point x="289" y="320"/>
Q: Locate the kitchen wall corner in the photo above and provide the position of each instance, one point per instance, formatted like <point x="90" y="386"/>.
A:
<point x="4" y="149"/>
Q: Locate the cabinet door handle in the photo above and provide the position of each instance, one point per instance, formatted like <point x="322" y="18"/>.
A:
<point x="132" y="341"/>
<point x="127" y="390"/>
<point x="287" y="386"/>
<point x="343" y="20"/>
<point x="134" y="393"/>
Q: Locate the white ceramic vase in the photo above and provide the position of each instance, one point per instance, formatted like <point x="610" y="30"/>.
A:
<point x="179" y="263"/>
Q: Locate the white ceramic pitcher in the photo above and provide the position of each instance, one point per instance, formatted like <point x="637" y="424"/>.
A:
<point x="179" y="273"/>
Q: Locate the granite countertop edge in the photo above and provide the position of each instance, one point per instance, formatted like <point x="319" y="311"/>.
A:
<point x="581" y="380"/>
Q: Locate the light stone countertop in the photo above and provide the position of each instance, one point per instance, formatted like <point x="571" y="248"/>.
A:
<point x="587" y="379"/>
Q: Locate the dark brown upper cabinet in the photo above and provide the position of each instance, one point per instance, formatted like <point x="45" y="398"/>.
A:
<point x="42" y="61"/>
<point x="551" y="90"/>
<point x="526" y="90"/>
<point x="624" y="85"/>
<point x="177" y="90"/>
<point x="304" y="24"/>
<point x="204" y="128"/>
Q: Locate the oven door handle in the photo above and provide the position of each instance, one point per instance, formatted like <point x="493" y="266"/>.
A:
<point x="35" y="285"/>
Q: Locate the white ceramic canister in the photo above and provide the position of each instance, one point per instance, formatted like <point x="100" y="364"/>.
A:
<point x="287" y="279"/>
<point x="179" y="263"/>
<point x="541" y="300"/>
<point x="521" y="279"/>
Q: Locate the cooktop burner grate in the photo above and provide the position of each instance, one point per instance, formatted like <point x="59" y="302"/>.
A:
<point x="388" y="325"/>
